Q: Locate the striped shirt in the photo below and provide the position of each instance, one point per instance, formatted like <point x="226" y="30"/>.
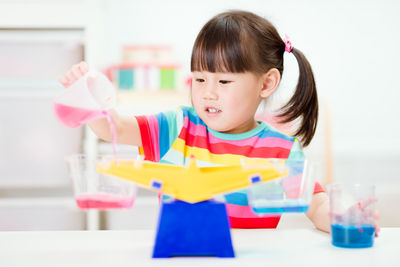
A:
<point x="174" y="136"/>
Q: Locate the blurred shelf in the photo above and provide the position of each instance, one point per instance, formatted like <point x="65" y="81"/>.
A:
<point x="67" y="202"/>
<point x="106" y="148"/>
<point x="140" y="97"/>
<point x="35" y="192"/>
<point x="35" y="183"/>
<point x="150" y="102"/>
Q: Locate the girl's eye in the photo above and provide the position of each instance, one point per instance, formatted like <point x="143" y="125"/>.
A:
<point x="200" y="80"/>
<point x="225" y="81"/>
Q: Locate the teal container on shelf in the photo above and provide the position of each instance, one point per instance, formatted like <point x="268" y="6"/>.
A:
<point x="126" y="79"/>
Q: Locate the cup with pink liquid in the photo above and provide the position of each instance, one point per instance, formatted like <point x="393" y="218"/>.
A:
<point x="88" y="98"/>
<point x="93" y="190"/>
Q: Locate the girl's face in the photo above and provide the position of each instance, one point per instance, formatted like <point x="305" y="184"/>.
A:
<point x="227" y="102"/>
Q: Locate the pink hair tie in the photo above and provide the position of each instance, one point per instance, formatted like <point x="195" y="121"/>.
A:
<point x="288" y="44"/>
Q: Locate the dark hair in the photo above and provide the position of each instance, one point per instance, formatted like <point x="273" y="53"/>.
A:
<point x="239" y="41"/>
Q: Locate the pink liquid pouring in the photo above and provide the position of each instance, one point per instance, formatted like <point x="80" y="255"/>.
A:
<point x="103" y="201"/>
<point x="74" y="116"/>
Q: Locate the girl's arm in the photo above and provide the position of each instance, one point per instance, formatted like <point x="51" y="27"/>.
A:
<point x="127" y="128"/>
<point x="318" y="212"/>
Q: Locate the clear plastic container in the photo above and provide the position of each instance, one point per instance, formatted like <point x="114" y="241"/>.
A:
<point x="292" y="193"/>
<point x="352" y="211"/>
<point x="89" y="98"/>
<point x="93" y="190"/>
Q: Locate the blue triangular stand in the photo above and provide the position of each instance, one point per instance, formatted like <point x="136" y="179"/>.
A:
<point x="200" y="229"/>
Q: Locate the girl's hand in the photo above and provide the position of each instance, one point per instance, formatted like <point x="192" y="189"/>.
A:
<point x="361" y="209"/>
<point x="370" y="214"/>
<point x="74" y="73"/>
<point x="377" y="228"/>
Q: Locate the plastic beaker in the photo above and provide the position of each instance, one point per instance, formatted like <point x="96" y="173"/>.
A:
<point x="292" y="193"/>
<point x="352" y="212"/>
<point x="87" y="99"/>
<point x="93" y="190"/>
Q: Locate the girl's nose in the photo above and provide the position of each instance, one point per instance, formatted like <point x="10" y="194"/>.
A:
<point x="210" y="93"/>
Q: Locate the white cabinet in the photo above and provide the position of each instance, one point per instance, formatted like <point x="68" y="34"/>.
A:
<point x="40" y="213"/>
<point x="34" y="144"/>
<point x="40" y="40"/>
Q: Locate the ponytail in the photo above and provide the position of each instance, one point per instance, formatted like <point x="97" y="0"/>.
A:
<point x="304" y="102"/>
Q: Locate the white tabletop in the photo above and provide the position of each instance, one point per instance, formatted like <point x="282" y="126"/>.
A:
<point x="283" y="247"/>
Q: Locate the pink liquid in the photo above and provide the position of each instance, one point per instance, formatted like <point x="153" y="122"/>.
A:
<point x="75" y="116"/>
<point x="103" y="201"/>
<point x="293" y="186"/>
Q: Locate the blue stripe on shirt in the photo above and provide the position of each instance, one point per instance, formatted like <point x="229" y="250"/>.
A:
<point x="163" y="135"/>
<point x="193" y="117"/>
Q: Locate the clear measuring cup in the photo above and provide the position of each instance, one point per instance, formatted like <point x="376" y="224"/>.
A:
<point x="352" y="211"/>
<point x="87" y="99"/>
<point x="291" y="193"/>
<point x="93" y="190"/>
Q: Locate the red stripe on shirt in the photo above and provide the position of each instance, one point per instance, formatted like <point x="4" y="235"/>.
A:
<point x="145" y="134"/>
<point x="318" y="188"/>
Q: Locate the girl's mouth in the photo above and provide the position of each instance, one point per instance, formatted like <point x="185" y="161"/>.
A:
<point x="212" y="110"/>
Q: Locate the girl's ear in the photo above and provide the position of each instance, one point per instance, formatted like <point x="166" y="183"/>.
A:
<point x="270" y="82"/>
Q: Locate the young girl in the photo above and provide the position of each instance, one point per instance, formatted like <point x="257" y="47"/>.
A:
<point x="237" y="61"/>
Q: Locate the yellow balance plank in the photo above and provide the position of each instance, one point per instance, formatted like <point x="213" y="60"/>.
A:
<point x="191" y="183"/>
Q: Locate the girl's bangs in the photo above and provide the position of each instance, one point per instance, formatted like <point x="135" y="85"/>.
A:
<point x="219" y="51"/>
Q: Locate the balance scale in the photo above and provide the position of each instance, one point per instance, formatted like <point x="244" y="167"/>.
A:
<point x="192" y="224"/>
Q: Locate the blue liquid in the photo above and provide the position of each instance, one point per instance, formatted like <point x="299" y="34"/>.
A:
<point x="282" y="209"/>
<point x="353" y="236"/>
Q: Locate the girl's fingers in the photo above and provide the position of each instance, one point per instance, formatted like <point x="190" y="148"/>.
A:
<point x="77" y="72"/>
<point x="63" y="80"/>
<point x="365" y="203"/>
<point x="74" y="74"/>
<point x="71" y="76"/>
<point x="377" y="230"/>
<point x="83" y="67"/>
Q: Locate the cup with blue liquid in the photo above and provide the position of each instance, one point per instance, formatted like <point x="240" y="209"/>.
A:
<point x="352" y="215"/>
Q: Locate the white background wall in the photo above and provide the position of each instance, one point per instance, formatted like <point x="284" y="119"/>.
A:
<point x="352" y="46"/>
